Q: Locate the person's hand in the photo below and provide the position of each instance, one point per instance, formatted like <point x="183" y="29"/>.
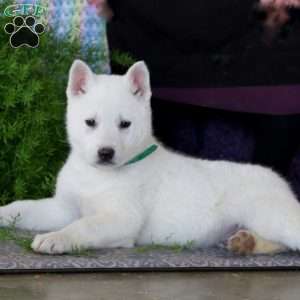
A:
<point x="276" y="15"/>
<point x="276" y="10"/>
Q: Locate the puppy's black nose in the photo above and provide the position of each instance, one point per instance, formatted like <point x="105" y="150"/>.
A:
<point x="106" y="154"/>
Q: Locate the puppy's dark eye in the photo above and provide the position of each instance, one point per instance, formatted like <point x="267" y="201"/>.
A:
<point x="90" y="122"/>
<point x="124" y="124"/>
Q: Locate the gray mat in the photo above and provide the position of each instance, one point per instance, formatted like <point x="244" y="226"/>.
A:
<point x="15" y="259"/>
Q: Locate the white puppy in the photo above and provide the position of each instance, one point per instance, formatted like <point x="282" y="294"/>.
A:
<point x="120" y="187"/>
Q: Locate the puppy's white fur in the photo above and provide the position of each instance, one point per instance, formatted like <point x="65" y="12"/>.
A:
<point x="165" y="198"/>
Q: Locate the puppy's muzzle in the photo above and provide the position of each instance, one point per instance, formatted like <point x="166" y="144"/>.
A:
<point x="106" y="154"/>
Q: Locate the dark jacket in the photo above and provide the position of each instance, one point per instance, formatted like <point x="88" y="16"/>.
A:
<point x="210" y="43"/>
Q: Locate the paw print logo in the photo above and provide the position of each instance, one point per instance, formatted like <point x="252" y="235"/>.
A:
<point x="24" y="32"/>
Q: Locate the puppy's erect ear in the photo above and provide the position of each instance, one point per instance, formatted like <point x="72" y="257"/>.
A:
<point x="80" y="76"/>
<point x="139" y="80"/>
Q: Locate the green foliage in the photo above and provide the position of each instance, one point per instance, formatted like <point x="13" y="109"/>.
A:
<point x="33" y="143"/>
<point x="77" y="251"/>
<point x="121" y="58"/>
<point x="11" y="234"/>
<point x="177" y="248"/>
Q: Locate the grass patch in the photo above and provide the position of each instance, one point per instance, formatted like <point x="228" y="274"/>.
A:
<point x="10" y="234"/>
<point x="77" y="251"/>
<point x="177" y="248"/>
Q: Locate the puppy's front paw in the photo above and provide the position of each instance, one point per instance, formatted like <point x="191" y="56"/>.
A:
<point x="51" y="243"/>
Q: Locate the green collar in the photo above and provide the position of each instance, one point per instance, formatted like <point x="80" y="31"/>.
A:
<point x="142" y="155"/>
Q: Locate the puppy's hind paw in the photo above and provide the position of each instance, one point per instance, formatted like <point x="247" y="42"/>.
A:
<point x="242" y="242"/>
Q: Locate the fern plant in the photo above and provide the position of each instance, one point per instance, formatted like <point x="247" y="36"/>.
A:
<point x="32" y="106"/>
